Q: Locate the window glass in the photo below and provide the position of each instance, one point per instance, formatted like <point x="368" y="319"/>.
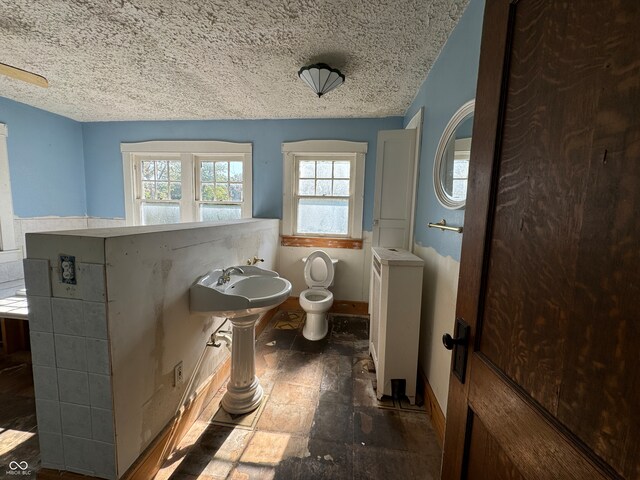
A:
<point x="157" y="213"/>
<point x="221" y="181"/>
<point x="220" y="186"/>
<point x="161" y="191"/>
<point x="217" y="213"/>
<point x="459" y="180"/>
<point x="323" y="216"/>
<point x="317" y="212"/>
<point x="161" y="179"/>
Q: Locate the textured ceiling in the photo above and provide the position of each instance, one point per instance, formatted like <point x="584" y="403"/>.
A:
<point x="198" y="59"/>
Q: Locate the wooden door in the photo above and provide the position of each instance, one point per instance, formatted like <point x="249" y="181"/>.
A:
<point x="550" y="267"/>
<point x="395" y="180"/>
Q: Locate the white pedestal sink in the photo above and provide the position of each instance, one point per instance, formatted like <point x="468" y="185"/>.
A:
<point x="249" y="291"/>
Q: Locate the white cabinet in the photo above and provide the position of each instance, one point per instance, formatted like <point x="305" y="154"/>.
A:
<point x="394" y="305"/>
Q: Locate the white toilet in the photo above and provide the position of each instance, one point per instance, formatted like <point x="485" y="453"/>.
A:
<point x="317" y="299"/>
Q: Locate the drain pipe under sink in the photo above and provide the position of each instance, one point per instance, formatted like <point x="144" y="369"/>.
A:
<point x="220" y="336"/>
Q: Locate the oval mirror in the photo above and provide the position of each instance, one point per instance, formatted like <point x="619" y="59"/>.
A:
<point x="451" y="165"/>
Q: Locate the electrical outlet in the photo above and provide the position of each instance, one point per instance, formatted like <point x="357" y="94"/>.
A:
<point x="178" y="376"/>
<point x="67" y="269"/>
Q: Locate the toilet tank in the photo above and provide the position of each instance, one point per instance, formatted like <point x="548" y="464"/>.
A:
<point x="318" y="268"/>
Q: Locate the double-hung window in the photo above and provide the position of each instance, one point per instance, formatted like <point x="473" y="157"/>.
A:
<point x="221" y="187"/>
<point x="159" y="186"/>
<point x="173" y="181"/>
<point x="323" y="195"/>
<point x="323" y="188"/>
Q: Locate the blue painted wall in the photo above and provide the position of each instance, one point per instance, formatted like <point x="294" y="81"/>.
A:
<point x="103" y="160"/>
<point x="46" y="161"/>
<point x="451" y="82"/>
<point x="62" y="167"/>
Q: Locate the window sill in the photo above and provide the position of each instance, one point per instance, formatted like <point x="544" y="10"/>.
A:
<point x="326" y="242"/>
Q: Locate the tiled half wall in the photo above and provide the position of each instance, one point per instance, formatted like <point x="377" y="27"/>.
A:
<point x="71" y="367"/>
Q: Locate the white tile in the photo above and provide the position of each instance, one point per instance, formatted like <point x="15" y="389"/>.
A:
<point x="67" y="316"/>
<point x="45" y="382"/>
<point x="74" y="386"/>
<point x="98" y="356"/>
<point x="48" y="415"/>
<point x="76" y="420"/>
<point x="102" y="425"/>
<point x="11" y="271"/>
<point x="95" y="319"/>
<point x="97" y="222"/>
<point x="36" y="277"/>
<point x="91" y="282"/>
<point x="42" y="351"/>
<point x="51" y="450"/>
<point x="71" y="352"/>
<point x="78" y="454"/>
<point x="100" y="386"/>
<point x="104" y="460"/>
<point x="60" y="289"/>
<point x="40" y="314"/>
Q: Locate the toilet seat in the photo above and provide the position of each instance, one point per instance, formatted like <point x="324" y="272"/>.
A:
<point x="313" y="282"/>
<point x="316" y="295"/>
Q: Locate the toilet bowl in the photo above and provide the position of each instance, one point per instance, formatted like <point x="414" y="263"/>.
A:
<point x="317" y="299"/>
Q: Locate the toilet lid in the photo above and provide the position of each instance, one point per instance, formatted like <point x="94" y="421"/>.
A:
<point x="323" y="281"/>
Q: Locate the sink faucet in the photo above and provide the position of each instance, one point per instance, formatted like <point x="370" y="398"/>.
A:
<point x="254" y="260"/>
<point x="226" y="274"/>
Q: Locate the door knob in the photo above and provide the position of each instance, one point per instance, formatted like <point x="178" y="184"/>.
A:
<point x="459" y="345"/>
<point x="449" y="342"/>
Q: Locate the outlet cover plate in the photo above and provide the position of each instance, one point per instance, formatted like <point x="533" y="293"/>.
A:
<point x="178" y="375"/>
<point x="68" y="269"/>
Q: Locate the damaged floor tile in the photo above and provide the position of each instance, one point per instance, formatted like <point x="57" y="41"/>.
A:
<point x="320" y="420"/>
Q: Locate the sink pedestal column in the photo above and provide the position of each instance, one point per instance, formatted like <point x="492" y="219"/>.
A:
<point x="244" y="391"/>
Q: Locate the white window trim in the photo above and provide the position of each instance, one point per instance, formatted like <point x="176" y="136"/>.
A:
<point x="329" y="147"/>
<point x="8" y="250"/>
<point x="189" y="151"/>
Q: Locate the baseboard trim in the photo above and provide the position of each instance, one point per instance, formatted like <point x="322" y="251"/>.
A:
<point x="433" y="407"/>
<point x="342" y="307"/>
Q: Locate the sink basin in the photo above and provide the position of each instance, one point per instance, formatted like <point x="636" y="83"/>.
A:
<point x="254" y="291"/>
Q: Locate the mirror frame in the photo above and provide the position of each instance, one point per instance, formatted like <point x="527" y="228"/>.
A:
<point x="456" y="119"/>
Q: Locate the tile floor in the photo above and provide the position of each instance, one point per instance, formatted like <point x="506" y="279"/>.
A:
<point x="320" y="418"/>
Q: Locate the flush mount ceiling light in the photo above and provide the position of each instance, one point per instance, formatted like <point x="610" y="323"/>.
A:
<point x="321" y="77"/>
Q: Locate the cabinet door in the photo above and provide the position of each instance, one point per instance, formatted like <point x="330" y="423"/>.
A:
<point x="393" y="199"/>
